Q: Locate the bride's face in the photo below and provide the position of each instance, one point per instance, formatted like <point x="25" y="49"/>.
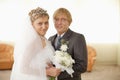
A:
<point x="41" y="25"/>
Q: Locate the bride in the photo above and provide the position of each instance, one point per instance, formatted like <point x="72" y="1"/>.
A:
<point x="33" y="54"/>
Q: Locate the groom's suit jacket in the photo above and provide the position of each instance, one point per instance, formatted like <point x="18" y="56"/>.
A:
<point x="77" y="49"/>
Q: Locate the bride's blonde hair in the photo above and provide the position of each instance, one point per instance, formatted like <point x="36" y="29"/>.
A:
<point x="37" y="13"/>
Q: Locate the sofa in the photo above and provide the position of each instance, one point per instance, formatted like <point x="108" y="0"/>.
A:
<point x="91" y="58"/>
<point x="6" y="56"/>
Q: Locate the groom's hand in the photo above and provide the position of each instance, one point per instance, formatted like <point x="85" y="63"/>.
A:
<point x="52" y="71"/>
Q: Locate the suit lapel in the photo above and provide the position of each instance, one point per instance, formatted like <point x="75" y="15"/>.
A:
<point x="67" y="35"/>
<point x="53" y="40"/>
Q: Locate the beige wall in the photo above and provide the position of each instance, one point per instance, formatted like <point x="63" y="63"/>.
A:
<point x="107" y="53"/>
<point x="118" y="58"/>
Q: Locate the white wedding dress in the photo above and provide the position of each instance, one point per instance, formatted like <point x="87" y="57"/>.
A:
<point x="30" y="58"/>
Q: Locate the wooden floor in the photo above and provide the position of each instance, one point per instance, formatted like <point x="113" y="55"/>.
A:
<point x="99" y="72"/>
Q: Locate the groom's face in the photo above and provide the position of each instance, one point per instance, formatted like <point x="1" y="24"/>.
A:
<point x="61" y="23"/>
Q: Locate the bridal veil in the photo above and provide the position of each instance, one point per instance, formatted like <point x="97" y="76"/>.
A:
<point x="30" y="57"/>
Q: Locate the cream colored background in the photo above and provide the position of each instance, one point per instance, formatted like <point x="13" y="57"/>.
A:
<point x="98" y="20"/>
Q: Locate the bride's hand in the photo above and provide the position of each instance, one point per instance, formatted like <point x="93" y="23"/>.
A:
<point x="52" y="71"/>
<point x="49" y="65"/>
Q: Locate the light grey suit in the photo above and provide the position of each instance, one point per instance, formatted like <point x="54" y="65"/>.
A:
<point x="78" y="51"/>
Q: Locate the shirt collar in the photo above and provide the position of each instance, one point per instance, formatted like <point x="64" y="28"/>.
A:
<point x="61" y="34"/>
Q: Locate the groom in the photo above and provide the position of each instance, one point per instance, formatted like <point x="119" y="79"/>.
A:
<point x="76" y="46"/>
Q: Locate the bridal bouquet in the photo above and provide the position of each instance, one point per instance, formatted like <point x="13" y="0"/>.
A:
<point x="63" y="59"/>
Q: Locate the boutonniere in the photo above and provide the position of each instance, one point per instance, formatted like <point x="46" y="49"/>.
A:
<point x="64" y="45"/>
<point x="63" y="41"/>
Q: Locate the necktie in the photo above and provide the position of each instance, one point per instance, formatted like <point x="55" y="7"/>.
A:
<point x="58" y="42"/>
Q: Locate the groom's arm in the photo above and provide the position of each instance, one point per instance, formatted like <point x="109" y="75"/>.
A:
<point x="80" y="54"/>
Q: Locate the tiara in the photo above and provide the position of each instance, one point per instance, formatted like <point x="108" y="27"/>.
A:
<point x="37" y="11"/>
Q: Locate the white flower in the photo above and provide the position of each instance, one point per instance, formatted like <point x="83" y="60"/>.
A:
<point x="64" y="47"/>
<point x="63" y="59"/>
